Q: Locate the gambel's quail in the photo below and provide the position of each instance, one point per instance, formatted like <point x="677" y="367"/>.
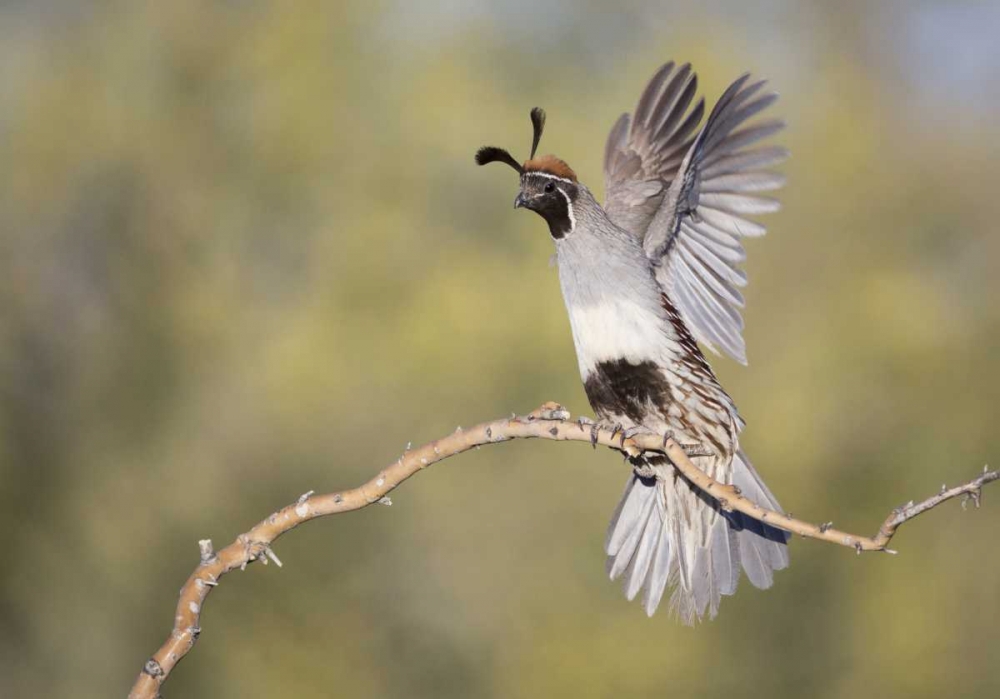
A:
<point x="646" y="278"/>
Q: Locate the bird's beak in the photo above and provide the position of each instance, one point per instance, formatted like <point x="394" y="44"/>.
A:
<point x="520" y="200"/>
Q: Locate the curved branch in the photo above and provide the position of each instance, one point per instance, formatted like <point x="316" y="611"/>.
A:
<point x="551" y="421"/>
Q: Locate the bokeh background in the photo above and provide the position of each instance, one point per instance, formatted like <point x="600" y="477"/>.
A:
<point x="245" y="253"/>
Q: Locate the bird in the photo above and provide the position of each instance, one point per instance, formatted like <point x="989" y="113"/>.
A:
<point x="648" y="279"/>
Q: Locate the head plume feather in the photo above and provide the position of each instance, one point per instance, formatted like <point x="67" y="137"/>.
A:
<point x="547" y="163"/>
<point x="492" y="154"/>
<point x="537" y="126"/>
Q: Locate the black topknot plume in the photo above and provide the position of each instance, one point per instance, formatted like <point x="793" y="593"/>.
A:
<point x="492" y="154"/>
<point x="537" y="124"/>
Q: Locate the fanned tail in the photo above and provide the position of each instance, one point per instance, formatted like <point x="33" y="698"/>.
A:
<point x="666" y="533"/>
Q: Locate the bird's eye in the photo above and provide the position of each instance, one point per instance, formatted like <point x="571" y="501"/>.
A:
<point x="550" y="187"/>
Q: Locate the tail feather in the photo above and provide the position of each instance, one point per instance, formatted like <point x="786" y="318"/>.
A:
<point x="702" y="586"/>
<point x="659" y="537"/>
<point x="754" y="555"/>
<point x="769" y="542"/>
<point x="648" y="545"/>
<point x="659" y="574"/>
<point x="725" y="557"/>
<point x="626" y="533"/>
<point x="625" y="518"/>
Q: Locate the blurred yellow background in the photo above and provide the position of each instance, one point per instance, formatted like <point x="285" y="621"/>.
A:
<point x="245" y="253"/>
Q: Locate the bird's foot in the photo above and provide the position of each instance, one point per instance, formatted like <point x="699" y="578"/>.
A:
<point x="628" y="434"/>
<point x="615" y="428"/>
<point x="689" y="448"/>
<point x="619" y="434"/>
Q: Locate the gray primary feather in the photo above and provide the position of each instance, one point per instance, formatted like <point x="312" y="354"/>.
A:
<point x="644" y="151"/>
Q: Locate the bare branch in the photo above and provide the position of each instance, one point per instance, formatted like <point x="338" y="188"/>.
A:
<point x="731" y="499"/>
<point x="551" y="421"/>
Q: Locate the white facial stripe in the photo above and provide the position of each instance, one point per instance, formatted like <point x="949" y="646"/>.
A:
<point x="569" y="210"/>
<point x="551" y="177"/>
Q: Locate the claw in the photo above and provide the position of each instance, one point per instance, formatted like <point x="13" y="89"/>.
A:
<point x="593" y="435"/>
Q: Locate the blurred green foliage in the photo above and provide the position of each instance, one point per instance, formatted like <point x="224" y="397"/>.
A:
<point x="244" y="253"/>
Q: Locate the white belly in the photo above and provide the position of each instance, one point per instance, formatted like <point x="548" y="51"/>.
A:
<point x="617" y="329"/>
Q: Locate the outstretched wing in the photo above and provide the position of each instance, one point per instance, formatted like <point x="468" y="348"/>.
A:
<point x="645" y="149"/>
<point x="695" y="236"/>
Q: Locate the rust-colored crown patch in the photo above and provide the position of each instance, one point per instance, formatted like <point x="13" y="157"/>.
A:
<point x="551" y="165"/>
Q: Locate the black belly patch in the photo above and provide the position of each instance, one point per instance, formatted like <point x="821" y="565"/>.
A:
<point x="620" y="387"/>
